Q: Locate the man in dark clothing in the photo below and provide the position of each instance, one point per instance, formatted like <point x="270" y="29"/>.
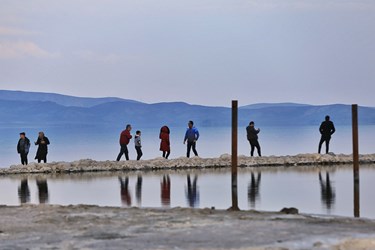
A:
<point x="326" y="129"/>
<point x="191" y="136"/>
<point x="252" y="137"/>
<point x="124" y="141"/>
<point x="23" y="147"/>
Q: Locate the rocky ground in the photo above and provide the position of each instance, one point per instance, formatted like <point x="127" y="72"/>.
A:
<point x="184" y="163"/>
<point x="91" y="227"/>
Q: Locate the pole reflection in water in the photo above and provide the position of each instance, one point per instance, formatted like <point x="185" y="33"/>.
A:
<point x="165" y="191"/>
<point x="138" y="190"/>
<point x="42" y="190"/>
<point x="192" y="192"/>
<point x="125" y="192"/>
<point x="328" y="195"/>
<point x="253" y="189"/>
<point x="24" y="191"/>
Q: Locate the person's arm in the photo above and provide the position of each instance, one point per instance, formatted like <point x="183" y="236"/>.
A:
<point x="18" y="147"/>
<point x="47" y="141"/>
<point x="37" y="141"/>
<point x="321" y="128"/>
<point x="333" y="130"/>
<point x="186" y="136"/>
<point x="196" y="134"/>
<point x="129" y="135"/>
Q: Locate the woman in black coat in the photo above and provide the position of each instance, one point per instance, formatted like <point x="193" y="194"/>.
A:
<point x="41" y="153"/>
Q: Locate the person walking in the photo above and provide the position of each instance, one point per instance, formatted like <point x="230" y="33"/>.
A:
<point x="23" y="147"/>
<point x="41" y="153"/>
<point x="191" y="136"/>
<point x="138" y="144"/>
<point x="165" y="145"/>
<point x="252" y="137"/>
<point x="125" y="137"/>
<point x="326" y="129"/>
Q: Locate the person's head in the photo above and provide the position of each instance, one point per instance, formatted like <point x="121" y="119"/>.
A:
<point x="327" y="117"/>
<point x="165" y="129"/>
<point x="41" y="134"/>
<point x="22" y="135"/>
<point x="138" y="132"/>
<point x="129" y="127"/>
<point x="190" y="124"/>
<point x="251" y="124"/>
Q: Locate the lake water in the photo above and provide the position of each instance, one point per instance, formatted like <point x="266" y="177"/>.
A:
<point x="315" y="190"/>
<point x="70" y="143"/>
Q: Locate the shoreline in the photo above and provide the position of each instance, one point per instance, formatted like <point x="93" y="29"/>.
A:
<point x="224" y="161"/>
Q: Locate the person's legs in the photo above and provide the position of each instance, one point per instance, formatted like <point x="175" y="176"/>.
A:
<point x="189" y="144"/>
<point x="327" y="145"/>
<point x="25" y="160"/>
<point x="194" y="150"/>
<point x="122" y="151"/>
<point x="139" y="153"/>
<point x="320" y="144"/>
<point x="258" y="148"/>
<point x="252" y="148"/>
<point x="126" y="152"/>
<point x="22" y="159"/>
<point x="168" y="153"/>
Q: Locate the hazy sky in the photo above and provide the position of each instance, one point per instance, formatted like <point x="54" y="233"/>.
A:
<point x="199" y="51"/>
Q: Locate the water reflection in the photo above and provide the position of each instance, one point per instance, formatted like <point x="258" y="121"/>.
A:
<point x="42" y="190"/>
<point x="165" y="191"/>
<point x="253" y="189"/>
<point x="24" y="191"/>
<point x="192" y="192"/>
<point x="138" y="190"/>
<point x="327" y="191"/>
<point x="126" y="198"/>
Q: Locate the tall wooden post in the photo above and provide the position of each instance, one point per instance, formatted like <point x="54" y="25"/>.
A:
<point x="234" y="155"/>
<point x="355" y="160"/>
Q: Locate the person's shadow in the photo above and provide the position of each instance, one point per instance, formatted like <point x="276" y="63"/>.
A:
<point x="192" y="192"/>
<point x="165" y="191"/>
<point x="42" y="190"/>
<point x="327" y="191"/>
<point x="24" y="191"/>
<point x="253" y="189"/>
<point x="125" y="193"/>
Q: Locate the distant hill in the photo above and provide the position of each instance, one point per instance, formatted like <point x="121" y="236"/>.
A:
<point x="41" y="109"/>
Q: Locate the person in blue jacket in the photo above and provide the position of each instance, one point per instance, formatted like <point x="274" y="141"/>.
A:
<point x="191" y="137"/>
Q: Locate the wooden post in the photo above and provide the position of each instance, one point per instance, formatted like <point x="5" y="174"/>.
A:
<point x="355" y="159"/>
<point x="234" y="155"/>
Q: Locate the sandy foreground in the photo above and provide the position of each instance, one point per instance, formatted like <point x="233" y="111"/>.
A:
<point x="92" y="227"/>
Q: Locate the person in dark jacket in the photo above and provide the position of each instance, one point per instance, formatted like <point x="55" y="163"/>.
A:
<point x="41" y="153"/>
<point x="165" y="145"/>
<point x="252" y="137"/>
<point x="125" y="137"/>
<point x="23" y="147"/>
<point x="191" y="136"/>
<point x="326" y="129"/>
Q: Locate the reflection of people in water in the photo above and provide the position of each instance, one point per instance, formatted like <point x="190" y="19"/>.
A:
<point x="138" y="190"/>
<point x="125" y="193"/>
<point x="253" y="189"/>
<point x="24" y="191"/>
<point x="192" y="192"/>
<point x="165" y="191"/>
<point x="327" y="191"/>
<point x="42" y="190"/>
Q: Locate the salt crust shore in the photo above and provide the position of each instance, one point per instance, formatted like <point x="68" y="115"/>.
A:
<point x="92" y="227"/>
<point x="88" y="165"/>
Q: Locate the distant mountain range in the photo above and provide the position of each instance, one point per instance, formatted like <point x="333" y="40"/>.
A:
<point x="30" y="108"/>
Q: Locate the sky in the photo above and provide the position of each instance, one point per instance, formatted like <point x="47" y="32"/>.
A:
<point x="198" y="51"/>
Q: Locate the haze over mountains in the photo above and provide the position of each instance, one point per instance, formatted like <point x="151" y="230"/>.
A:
<point x="31" y="108"/>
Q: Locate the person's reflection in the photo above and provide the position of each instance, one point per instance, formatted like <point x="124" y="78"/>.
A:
<point x="192" y="192"/>
<point x="253" y="189"/>
<point x="138" y="190"/>
<point x="327" y="191"/>
<point x="24" y="191"/>
<point x="125" y="193"/>
<point x="42" y="190"/>
<point x="165" y="191"/>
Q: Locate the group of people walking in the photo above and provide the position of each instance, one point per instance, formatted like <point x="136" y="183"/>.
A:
<point x="23" y="148"/>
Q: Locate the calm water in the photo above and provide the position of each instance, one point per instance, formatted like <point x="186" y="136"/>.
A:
<point x="98" y="143"/>
<point x="327" y="191"/>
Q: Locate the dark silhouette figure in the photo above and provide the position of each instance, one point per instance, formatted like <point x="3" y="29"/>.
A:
<point x="138" y="190"/>
<point x="165" y="145"/>
<point x="138" y="144"/>
<point x="42" y="190"/>
<point x="326" y="129"/>
<point x="165" y="191"/>
<point x="192" y="192"/>
<point x="191" y="136"/>
<point x="252" y="137"/>
<point x="23" y="147"/>
<point x="41" y="153"/>
<point x="327" y="191"/>
<point x="253" y="189"/>
<point x="125" y="137"/>
<point x="24" y="191"/>
<point x="125" y="192"/>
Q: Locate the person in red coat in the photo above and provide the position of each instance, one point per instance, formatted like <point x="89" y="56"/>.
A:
<point x="165" y="145"/>
<point x="124" y="141"/>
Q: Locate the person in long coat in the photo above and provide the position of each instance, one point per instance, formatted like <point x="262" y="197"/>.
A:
<point x="165" y="145"/>
<point x="41" y="153"/>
